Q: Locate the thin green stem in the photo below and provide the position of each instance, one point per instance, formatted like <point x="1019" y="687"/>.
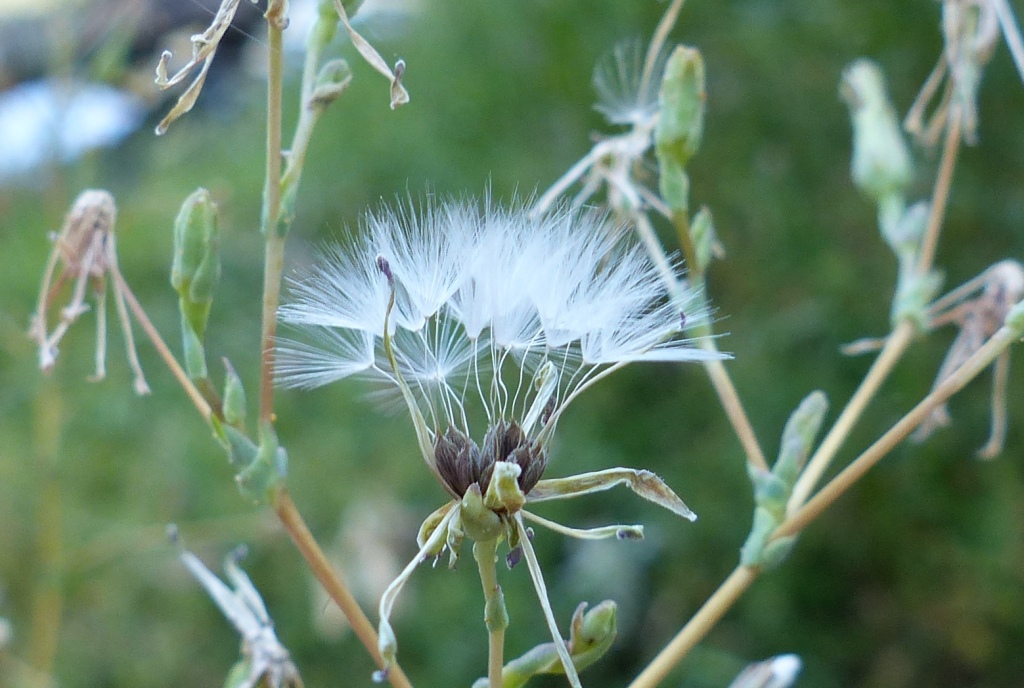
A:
<point x="495" y="614"/>
<point x="297" y="530"/>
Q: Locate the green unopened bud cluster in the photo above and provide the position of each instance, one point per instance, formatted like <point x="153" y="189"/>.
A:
<point x="773" y="488"/>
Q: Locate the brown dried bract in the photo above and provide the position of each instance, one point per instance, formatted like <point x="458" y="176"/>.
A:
<point x="978" y="308"/>
<point x="84" y="253"/>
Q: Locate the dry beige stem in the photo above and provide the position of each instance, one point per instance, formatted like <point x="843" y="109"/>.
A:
<point x="85" y="251"/>
<point x="994" y="293"/>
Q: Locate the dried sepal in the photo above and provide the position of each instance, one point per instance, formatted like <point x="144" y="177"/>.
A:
<point x="620" y="532"/>
<point x="204" y="47"/>
<point x="84" y="252"/>
<point x="643" y="482"/>
<point x="545" y="604"/>
<point x="399" y="96"/>
<point x="387" y="643"/>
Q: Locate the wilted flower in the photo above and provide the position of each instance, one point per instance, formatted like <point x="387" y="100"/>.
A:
<point x="265" y="661"/>
<point x="496" y="319"/>
<point x="979" y="308"/>
<point x="84" y="253"/>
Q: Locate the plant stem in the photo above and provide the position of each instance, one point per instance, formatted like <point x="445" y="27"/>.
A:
<point x="273" y="260"/>
<point x="940" y="195"/>
<point x="713" y="609"/>
<point x="981" y="359"/>
<point x="734" y="410"/>
<point x="495" y="614"/>
<point x="716" y="371"/>
<point x="895" y="345"/>
<point x="194" y="395"/>
<point x="297" y="530"/>
<point x="742" y="577"/>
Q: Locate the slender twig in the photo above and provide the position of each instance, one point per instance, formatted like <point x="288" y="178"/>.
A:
<point x="273" y="261"/>
<point x="658" y="40"/>
<point x="734" y="410"/>
<point x="940" y="195"/>
<point x="742" y="577"/>
<point x="713" y="609"/>
<point x="719" y="376"/>
<point x="970" y="368"/>
<point x="194" y="395"/>
<point x="297" y="530"/>
<point x="895" y="345"/>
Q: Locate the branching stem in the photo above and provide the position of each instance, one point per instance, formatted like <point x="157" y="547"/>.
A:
<point x="742" y="577"/>
<point x="895" y="345"/>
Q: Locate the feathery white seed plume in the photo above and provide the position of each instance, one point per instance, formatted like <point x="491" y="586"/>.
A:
<point x="484" y="299"/>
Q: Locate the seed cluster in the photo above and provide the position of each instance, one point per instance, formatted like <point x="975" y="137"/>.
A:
<point x="460" y="463"/>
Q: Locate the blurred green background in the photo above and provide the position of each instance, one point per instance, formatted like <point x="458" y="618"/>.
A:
<point x="915" y="578"/>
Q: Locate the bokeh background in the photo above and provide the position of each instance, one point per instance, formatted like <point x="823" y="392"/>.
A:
<point x="915" y="578"/>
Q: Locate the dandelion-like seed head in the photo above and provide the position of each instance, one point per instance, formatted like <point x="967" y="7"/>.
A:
<point x="627" y="88"/>
<point x="481" y="315"/>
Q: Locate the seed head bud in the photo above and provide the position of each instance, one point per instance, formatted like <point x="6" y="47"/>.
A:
<point x="881" y="165"/>
<point x="196" y="264"/>
<point x="683" y="100"/>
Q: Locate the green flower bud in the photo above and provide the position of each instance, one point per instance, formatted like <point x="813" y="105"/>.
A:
<point x="195" y="270"/>
<point x="234" y="397"/>
<point x="682" y="102"/>
<point x="705" y="240"/>
<point x="332" y="80"/>
<point x="196" y="266"/>
<point x="881" y="165"/>
<point x="798" y="438"/>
